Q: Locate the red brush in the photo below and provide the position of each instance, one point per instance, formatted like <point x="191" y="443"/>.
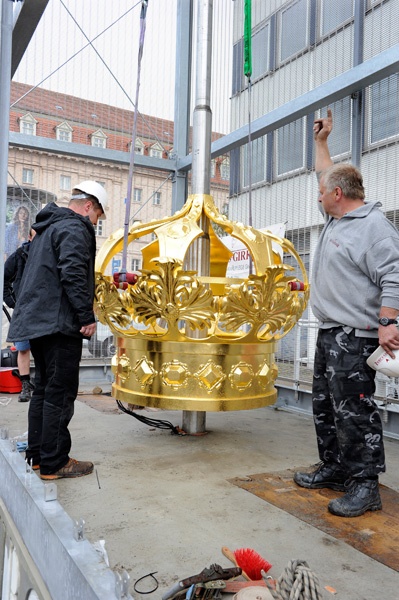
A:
<point x="250" y="562"/>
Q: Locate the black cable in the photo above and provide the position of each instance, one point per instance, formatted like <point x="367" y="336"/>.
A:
<point x="144" y="576"/>
<point x="158" y="423"/>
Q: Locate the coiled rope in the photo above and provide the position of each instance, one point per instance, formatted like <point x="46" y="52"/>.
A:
<point x="297" y="582"/>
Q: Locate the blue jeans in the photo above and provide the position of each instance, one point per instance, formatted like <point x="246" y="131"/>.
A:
<point x="51" y="408"/>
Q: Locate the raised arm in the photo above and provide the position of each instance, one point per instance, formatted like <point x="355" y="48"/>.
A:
<point x="321" y="130"/>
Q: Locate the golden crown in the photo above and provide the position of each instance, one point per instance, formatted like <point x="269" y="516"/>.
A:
<point x="194" y="339"/>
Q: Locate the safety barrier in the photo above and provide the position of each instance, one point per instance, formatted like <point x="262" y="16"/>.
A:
<point x="43" y="553"/>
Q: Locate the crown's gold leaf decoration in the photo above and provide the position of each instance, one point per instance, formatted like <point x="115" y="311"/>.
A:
<point x="174" y="317"/>
<point x="111" y="304"/>
<point x="172" y="294"/>
<point x="261" y="301"/>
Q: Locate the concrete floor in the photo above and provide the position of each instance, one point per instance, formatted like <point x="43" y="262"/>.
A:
<point x="163" y="503"/>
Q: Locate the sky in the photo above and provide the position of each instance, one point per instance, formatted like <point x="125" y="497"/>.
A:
<point x="61" y="58"/>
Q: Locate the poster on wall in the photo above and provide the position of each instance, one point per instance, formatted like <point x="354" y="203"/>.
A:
<point x="21" y="210"/>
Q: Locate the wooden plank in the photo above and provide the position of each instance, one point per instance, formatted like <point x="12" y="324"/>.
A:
<point x="376" y="534"/>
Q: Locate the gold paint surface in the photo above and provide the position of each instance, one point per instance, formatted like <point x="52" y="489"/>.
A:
<point x="193" y="342"/>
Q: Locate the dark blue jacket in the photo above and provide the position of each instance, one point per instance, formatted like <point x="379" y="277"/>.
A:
<point x="57" y="292"/>
<point x="13" y="270"/>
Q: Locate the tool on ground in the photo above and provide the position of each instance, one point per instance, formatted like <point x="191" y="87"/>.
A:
<point x="212" y="574"/>
<point x="251" y="563"/>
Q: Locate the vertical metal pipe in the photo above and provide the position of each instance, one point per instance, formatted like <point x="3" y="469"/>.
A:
<point x="202" y="117"/>
<point x="6" y="27"/>
<point x="198" y="257"/>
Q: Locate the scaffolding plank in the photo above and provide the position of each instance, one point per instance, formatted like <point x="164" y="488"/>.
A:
<point x="376" y="534"/>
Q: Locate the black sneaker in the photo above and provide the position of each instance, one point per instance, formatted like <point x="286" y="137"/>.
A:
<point x="326" y="475"/>
<point x="362" y="495"/>
<point x="26" y="392"/>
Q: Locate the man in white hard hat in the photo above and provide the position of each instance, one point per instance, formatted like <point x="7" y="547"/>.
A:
<point x="54" y="310"/>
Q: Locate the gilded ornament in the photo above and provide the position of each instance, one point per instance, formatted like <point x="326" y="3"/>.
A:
<point x="175" y="374"/>
<point x="202" y="327"/>
<point x="123" y="368"/>
<point x="144" y="372"/>
<point x="241" y="376"/>
<point x="210" y="376"/>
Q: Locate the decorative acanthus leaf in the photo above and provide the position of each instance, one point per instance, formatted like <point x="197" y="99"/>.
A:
<point x="172" y="295"/>
<point x="263" y="301"/>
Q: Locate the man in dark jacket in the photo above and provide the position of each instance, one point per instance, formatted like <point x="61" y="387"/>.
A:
<point x="13" y="270"/>
<point x="54" y="310"/>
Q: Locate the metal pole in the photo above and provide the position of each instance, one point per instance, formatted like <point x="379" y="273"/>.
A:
<point x="5" y="88"/>
<point x="199" y="255"/>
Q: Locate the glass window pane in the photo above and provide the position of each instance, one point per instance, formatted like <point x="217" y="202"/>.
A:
<point x="258" y="162"/>
<point x="335" y="13"/>
<point x="65" y="182"/>
<point x="384" y="108"/>
<point x="27" y="175"/>
<point x="238" y="68"/>
<point x="291" y="147"/>
<point x="294" y="33"/>
<point x="260" y="52"/>
<point x="340" y="138"/>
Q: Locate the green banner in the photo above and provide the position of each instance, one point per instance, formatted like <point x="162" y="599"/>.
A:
<point x="247" y="39"/>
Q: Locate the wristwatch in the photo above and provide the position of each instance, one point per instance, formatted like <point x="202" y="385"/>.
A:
<point x="385" y="321"/>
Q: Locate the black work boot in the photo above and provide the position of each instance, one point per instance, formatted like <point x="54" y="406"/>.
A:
<point x="26" y="392"/>
<point x="326" y="475"/>
<point x="362" y="495"/>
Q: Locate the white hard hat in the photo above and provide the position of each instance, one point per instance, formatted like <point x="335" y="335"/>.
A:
<point x="383" y="363"/>
<point x="94" y="189"/>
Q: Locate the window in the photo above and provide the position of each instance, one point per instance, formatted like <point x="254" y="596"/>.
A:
<point x="64" y="132"/>
<point x="99" y="139"/>
<point x="27" y="124"/>
<point x="27" y="176"/>
<point x="258" y="162"/>
<point x="335" y="13"/>
<point x="135" y="264"/>
<point x="157" y="198"/>
<point x="65" y="182"/>
<point x="384" y="121"/>
<point x="340" y="138"/>
<point x="137" y="194"/>
<point x="225" y="169"/>
<point x="139" y="146"/>
<point x="238" y="68"/>
<point x="294" y="30"/>
<point x="260" y="52"/>
<point x="99" y="228"/>
<point x="156" y="151"/>
<point x="213" y="167"/>
<point x="291" y="146"/>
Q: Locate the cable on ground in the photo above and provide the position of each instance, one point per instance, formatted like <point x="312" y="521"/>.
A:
<point x="158" y="423"/>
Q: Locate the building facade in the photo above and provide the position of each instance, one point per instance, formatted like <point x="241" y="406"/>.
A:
<point x="57" y="140"/>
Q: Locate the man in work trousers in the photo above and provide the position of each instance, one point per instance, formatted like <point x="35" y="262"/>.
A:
<point x="355" y="297"/>
<point x="54" y="310"/>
